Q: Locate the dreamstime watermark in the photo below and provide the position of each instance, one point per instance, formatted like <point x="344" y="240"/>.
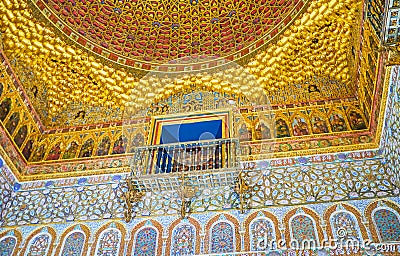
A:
<point x="341" y="243"/>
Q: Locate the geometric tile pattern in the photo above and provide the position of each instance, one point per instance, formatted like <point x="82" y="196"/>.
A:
<point x="334" y="213"/>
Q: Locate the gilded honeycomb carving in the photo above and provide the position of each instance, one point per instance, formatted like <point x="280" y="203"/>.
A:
<point x="68" y="76"/>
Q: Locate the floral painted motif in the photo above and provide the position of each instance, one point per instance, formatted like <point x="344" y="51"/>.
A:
<point x="302" y="228"/>
<point x="282" y="129"/>
<point x="39" y="245"/>
<point x="39" y="153"/>
<point x="345" y="226"/>
<point x="5" y="107"/>
<point x="138" y="140"/>
<point x="356" y="121"/>
<point x="146" y="242"/>
<point x="263" y="132"/>
<point x="387" y="224"/>
<point x="109" y="243"/>
<point x="70" y="152"/>
<point x="7" y="245"/>
<point x="119" y="146"/>
<point x="104" y="146"/>
<point x="222" y="237"/>
<point x="183" y="240"/>
<point x="54" y="152"/>
<point x="261" y="232"/>
<point x="21" y="136"/>
<point x="244" y="133"/>
<point x="87" y="148"/>
<point x="12" y="123"/>
<point x="27" y="151"/>
<point x="73" y="245"/>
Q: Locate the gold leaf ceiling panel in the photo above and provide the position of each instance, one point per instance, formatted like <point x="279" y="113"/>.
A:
<point x="318" y="43"/>
<point x="145" y="34"/>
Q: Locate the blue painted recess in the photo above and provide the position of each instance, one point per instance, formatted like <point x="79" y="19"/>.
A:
<point x="191" y="131"/>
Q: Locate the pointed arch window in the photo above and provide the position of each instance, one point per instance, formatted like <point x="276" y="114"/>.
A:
<point x="183" y="240"/>
<point x="39" y="245"/>
<point x="109" y="242"/>
<point x="146" y="242"/>
<point x="73" y="244"/>
<point x="387" y="224"/>
<point x="262" y="233"/>
<point x="302" y="229"/>
<point x="7" y="245"/>
<point x="345" y="226"/>
<point x="222" y="237"/>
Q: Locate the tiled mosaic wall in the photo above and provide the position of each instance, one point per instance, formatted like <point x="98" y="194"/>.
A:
<point x="339" y="177"/>
<point x="6" y="193"/>
<point x="392" y="132"/>
<point x="363" y="220"/>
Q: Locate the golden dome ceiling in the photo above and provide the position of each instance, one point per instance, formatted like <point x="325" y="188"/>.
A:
<point x="146" y="34"/>
<point x="60" y="73"/>
<point x="322" y="63"/>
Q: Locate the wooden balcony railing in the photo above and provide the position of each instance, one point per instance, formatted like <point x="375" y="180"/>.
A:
<point x="207" y="155"/>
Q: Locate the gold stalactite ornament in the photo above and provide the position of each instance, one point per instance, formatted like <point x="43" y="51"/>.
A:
<point x="35" y="43"/>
